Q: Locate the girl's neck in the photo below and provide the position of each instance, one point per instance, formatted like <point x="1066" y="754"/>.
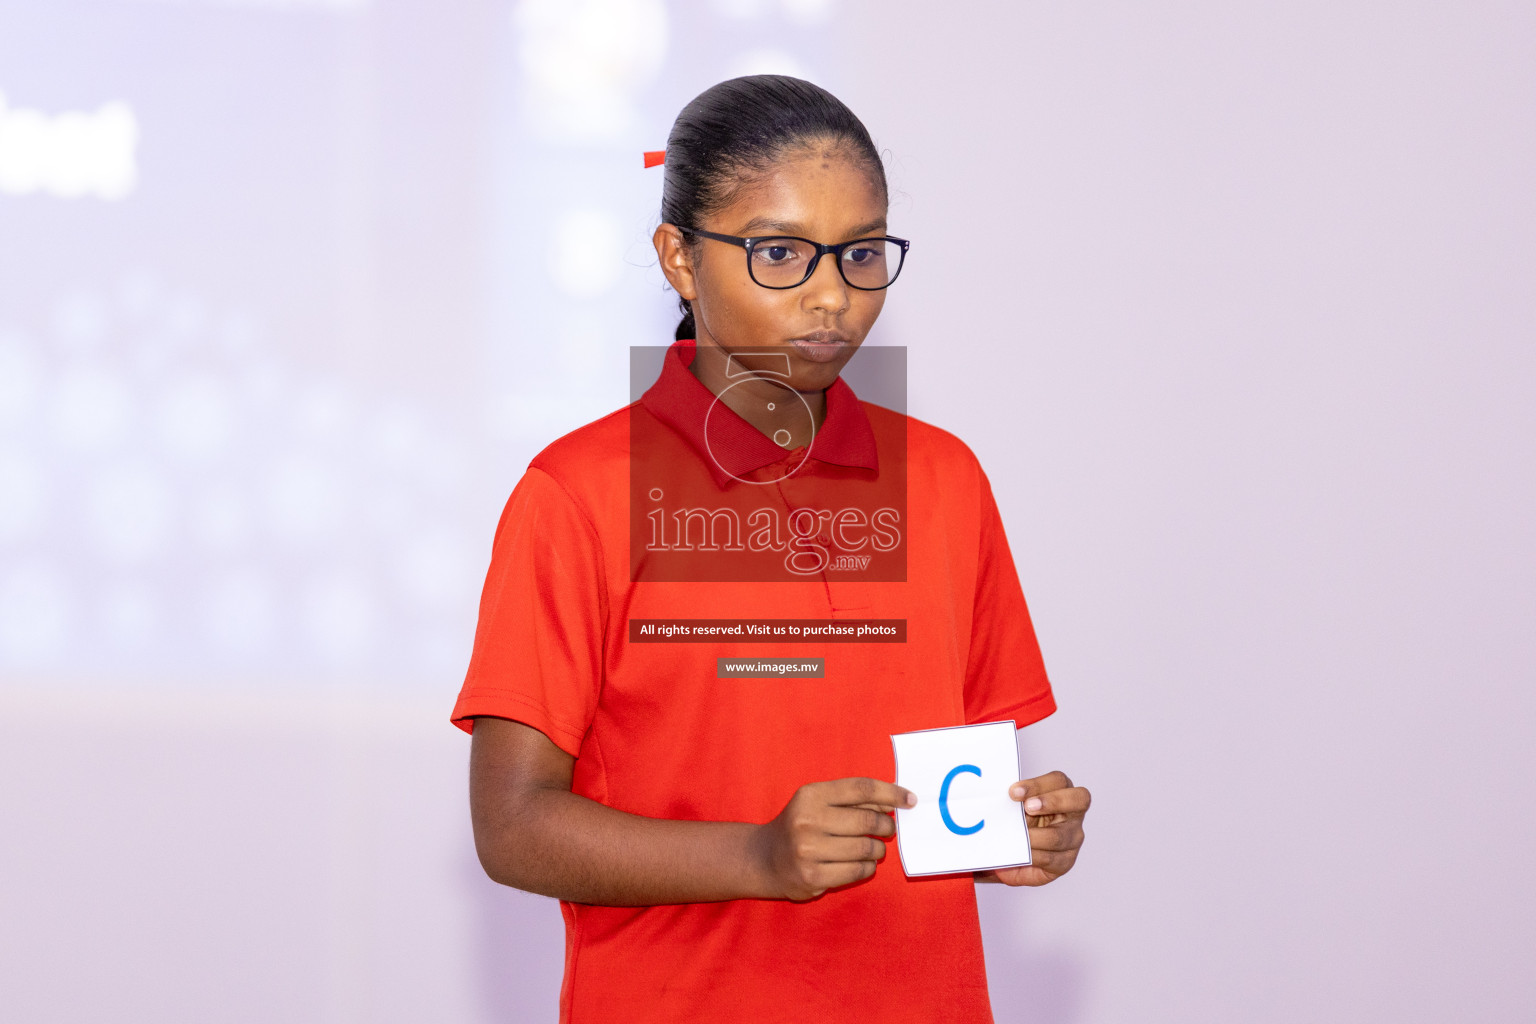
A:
<point x="763" y="400"/>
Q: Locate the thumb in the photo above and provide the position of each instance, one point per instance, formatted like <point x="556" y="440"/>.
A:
<point x="1026" y="791"/>
<point x="1029" y="791"/>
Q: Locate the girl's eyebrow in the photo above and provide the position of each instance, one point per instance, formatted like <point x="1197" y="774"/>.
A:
<point x="758" y="224"/>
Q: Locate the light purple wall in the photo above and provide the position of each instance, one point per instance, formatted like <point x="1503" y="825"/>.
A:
<point x="1236" y="304"/>
<point x="1233" y="301"/>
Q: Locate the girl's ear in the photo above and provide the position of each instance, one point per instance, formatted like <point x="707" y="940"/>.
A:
<point x="676" y="261"/>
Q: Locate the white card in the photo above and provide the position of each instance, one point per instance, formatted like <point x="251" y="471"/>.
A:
<point x="964" y="819"/>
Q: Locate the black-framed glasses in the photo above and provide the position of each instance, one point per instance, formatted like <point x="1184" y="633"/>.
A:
<point x="784" y="261"/>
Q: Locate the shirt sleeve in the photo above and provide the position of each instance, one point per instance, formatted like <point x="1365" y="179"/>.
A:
<point x="1005" y="675"/>
<point x="538" y="650"/>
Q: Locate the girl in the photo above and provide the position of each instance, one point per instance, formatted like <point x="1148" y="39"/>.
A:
<point x="718" y="842"/>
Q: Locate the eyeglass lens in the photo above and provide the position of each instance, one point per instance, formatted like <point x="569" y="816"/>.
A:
<point x="784" y="262"/>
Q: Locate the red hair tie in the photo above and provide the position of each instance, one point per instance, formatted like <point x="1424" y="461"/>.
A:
<point x="655" y="157"/>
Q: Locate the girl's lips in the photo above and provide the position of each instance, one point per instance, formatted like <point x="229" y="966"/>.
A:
<point x="818" y="350"/>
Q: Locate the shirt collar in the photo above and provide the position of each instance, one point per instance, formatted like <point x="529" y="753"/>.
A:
<point x="735" y="447"/>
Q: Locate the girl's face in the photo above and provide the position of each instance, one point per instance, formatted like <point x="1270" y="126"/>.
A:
<point x="818" y="193"/>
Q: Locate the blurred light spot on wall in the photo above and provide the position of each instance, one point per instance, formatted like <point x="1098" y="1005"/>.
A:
<point x="262" y="381"/>
<point x="23" y="497"/>
<point x="91" y="409"/>
<point x="237" y="334"/>
<point x="340" y="6"/>
<point x="195" y="417"/>
<point x="583" y="62"/>
<point x="583" y="339"/>
<point x="304" y="498"/>
<point x="79" y="321"/>
<point x="768" y="62"/>
<point x="69" y="155"/>
<point x="807" y="12"/>
<point x="444" y="466"/>
<point x="438" y="648"/>
<point x="220" y="519"/>
<point x="433" y="570"/>
<point x="138" y="294"/>
<point x="742" y="9"/>
<point x="34" y="613"/>
<point x="586" y="253"/>
<point x="130" y="614"/>
<point x="185" y="318"/>
<point x="339" y="616"/>
<point x="21" y="377"/>
<point x="388" y="514"/>
<point x="129" y="512"/>
<point x="399" y="437"/>
<point x="326" y="414"/>
<point x="240" y="613"/>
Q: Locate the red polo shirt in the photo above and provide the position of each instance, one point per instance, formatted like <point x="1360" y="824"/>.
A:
<point x="655" y="732"/>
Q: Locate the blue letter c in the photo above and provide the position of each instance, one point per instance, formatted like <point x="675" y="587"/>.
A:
<point x="949" y="823"/>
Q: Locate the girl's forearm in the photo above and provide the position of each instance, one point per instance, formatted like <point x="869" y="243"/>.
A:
<point x="563" y="845"/>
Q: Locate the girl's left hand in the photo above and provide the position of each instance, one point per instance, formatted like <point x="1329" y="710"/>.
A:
<point x="1054" y="810"/>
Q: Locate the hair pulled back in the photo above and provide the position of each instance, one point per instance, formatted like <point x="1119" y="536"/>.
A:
<point x="732" y="132"/>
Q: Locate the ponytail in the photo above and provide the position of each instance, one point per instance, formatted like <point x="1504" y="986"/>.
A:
<point x="685" y="327"/>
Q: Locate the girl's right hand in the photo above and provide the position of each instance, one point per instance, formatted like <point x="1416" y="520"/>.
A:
<point x="829" y="834"/>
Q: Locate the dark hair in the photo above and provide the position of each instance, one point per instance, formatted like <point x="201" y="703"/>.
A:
<point x="733" y="131"/>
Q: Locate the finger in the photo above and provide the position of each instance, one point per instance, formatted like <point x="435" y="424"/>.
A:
<point x="1043" y="867"/>
<point x="1025" y="788"/>
<point x="888" y="812"/>
<point x="846" y="849"/>
<point x="1029" y="874"/>
<point x="858" y="821"/>
<point x="854" y="792"/>
<point x="1059" y="801"/>
<point x="1055" y="838"/>
<point x="830" y="876"/>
